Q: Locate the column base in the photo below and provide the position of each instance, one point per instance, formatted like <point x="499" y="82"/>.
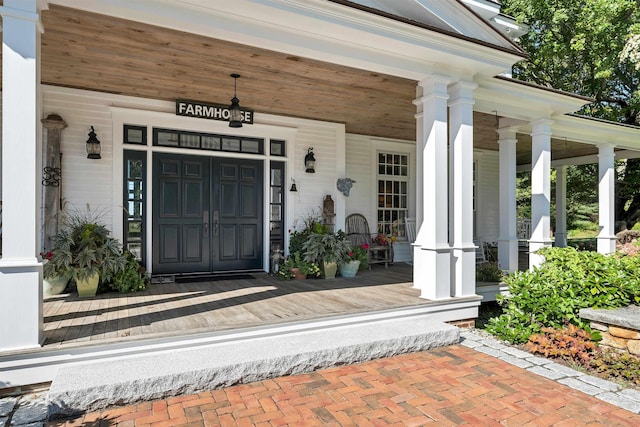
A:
<point x="463" y="260"/>
<point x="607" y="244"/>
<point x="432" y="271"/>
<point x="21" y="290"/>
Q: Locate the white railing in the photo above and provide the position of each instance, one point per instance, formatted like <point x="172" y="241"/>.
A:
<point x="523" y="228"/>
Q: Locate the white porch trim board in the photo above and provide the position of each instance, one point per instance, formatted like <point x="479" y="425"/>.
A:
<point x="461" y="197"/>
<point x="508" y="238"/>
<point x="432" y="253"/>
<point x="21" y="321"/>
<point x="561" y="207"/>
<point x="606" y="199"/>
<point x="540" y="189"/>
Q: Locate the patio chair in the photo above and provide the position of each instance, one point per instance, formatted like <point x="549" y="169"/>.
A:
<point x="481" y="252"/>
<point x="410" y="230"/>
<point x="357" y="230"/>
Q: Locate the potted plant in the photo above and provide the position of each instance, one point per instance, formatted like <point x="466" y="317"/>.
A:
<point x="351" y="262"/>
<point x="327" y="248"/>
<point x="295" y="267"/>
<point x="84" y="252"/>
<point x="52" y="285"/>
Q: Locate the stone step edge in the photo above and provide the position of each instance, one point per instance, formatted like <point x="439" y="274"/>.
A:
<point x="126" y="380"/>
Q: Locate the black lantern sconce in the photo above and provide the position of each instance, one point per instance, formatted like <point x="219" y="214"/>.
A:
<point x="294" y="188"/>
<point x="310" y="161"/>
<point x="235" y="114"/>
<point x="93" y="146"/>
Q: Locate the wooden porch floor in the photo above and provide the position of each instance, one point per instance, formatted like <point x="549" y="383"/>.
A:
<point x="171" y="309"/>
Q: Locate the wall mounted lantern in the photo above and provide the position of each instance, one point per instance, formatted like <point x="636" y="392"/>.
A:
<point x="235" y="114"/>
<point x="93" y="146"/>
<point x="310" y="161"/>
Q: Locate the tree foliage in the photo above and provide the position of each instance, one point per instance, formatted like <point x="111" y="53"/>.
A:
<point x="592" y="48"/>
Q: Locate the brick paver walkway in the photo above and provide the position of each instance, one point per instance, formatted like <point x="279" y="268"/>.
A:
<point x="444" y="387"/>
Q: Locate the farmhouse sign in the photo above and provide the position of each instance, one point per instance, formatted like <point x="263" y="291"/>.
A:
<point x="204" y="110"/>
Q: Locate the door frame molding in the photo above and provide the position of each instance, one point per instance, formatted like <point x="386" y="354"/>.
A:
<point x="123" y="115"/>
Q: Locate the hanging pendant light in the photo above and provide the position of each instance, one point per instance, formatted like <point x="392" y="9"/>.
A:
<point x="235" y="114"/>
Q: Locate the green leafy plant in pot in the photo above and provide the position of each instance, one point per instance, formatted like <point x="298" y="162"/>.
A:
<point x="84" y="252"/>
<point x="328" y="249"/>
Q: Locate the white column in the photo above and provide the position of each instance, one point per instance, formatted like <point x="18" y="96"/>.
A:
<point x="540" y="189"/>
<point x="606" y="199"/>
<point x="21" y="322"/>
<point x="432" y="253"/>
<point x="561" y="206"/>
<point x="461" y="157"/>
<point x="508" y="235"/>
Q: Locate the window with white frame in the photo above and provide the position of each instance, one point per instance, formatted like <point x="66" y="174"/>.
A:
<point x="393" y="188"/>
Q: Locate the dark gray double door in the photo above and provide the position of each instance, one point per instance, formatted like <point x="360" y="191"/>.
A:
<point x="207" y="214"/>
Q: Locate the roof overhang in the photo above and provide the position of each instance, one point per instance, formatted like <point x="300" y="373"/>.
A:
<point x="321" y="30"/>
<point x="520" y="100"/>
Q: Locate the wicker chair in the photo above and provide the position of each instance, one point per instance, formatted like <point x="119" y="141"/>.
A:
<point x="357" y="230"/>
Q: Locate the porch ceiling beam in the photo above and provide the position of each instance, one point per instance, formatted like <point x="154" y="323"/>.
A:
<point x="585" y="160"/>
<point x="319" y="30"/>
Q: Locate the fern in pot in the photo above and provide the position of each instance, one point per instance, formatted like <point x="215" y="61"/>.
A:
<point x="326" y="249"/>
<point x="84" y="252"/>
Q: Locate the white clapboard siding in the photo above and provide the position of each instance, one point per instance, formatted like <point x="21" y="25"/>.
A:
<point x="359" y="158"/>
<point x="313" y="187"/>
<point x="488" y="203"/>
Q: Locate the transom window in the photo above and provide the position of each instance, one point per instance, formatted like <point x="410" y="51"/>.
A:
<point x="393" y="182"/>
<point x="207" y="141"/>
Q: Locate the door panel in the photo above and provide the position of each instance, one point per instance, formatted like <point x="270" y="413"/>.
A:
<point x="207" y="214"/>
<point x="181" y="194"/>
<point x="237" y="196"/>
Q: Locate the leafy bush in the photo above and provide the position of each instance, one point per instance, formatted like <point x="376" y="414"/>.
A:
<point x="488" y="272"/>
<point x="552" y="295"/>
<point x="132" y="278"/>
<point x="570" y="343"/>
<point x="615" y="365"/>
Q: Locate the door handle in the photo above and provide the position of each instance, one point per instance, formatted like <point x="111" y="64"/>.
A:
<point x="215" y="222"/>
<point x="205" y="224"/>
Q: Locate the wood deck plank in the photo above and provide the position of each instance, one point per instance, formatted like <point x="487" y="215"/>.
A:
<point x="172" y="308"/>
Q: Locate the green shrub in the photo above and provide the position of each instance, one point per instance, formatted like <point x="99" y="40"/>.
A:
<point x="552" y="295"/>
<point x="132" y="279"/>
<point x="488" y="272"/>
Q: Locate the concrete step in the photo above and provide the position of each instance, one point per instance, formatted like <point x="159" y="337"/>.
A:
<point x="189" y="368"/>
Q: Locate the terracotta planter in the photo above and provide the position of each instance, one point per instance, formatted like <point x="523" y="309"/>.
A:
<point x="88" y="288"/>
<point x="54" y="285"/>
<point x="297" y="274"/>
<point x="329" y="269"/>
<point x="350" y="269"/>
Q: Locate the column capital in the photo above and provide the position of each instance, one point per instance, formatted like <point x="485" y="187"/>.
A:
<point x="53" y="121"/>
<point x="462" y="92"/>
<point x="541" y="126"/>
<point x="605" y="148"/>
<point x="507" y="135"/>
<point x="434" y="86"/>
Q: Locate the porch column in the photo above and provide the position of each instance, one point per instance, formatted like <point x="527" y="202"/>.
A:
<point x="432" y="253"/>
<point x="21" y="322"/>
<point x="606" y="199"/>
<point x="540" y="189"/>
<point x="561" y="206"/>
<point x="508" y="234"/>
<point x="461" y="157"/>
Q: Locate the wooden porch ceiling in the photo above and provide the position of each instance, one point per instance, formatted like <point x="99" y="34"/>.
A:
<point x="95" y="52"/>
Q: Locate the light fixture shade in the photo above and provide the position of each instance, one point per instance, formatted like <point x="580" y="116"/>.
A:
<point x="235" y="114"/>
<point x="310" y="161"/>
<point x="93" y="146"/>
